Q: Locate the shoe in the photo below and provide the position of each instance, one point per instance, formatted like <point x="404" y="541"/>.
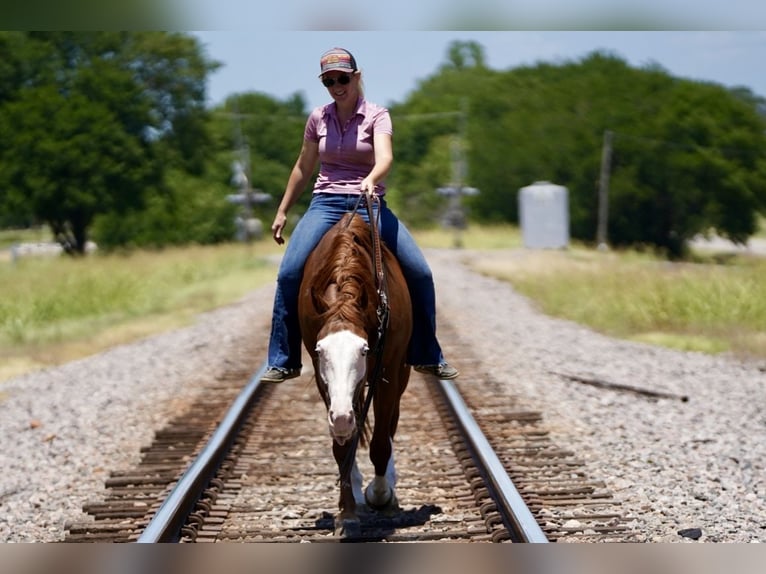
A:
<point x="443" y="371"/>
<point x="279" y="375"/>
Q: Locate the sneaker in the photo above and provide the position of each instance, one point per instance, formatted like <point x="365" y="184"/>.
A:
<point x="278" y="375"/>
<point x="443" y="371"/>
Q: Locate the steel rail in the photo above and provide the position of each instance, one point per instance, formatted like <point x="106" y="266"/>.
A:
<point x="513" y="508"/>
<point x="166" y="524"/>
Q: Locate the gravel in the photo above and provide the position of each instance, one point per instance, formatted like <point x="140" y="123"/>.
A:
<point x="65" y="429"/>
<point x="676" y="466"/>
<point x="686" y="470"/>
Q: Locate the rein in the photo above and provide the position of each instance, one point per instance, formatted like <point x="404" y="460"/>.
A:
<point x="383" y="313"/>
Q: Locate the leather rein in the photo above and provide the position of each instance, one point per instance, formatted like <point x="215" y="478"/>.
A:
<point x="383" y="313"/>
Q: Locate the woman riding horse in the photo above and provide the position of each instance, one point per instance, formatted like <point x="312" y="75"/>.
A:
<point x="351" y="139"/>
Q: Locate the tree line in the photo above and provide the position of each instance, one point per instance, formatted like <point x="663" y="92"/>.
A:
<point x="106" y="136"/>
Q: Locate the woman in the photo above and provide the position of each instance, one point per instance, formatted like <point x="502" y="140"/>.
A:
<point x="351" y="140"/>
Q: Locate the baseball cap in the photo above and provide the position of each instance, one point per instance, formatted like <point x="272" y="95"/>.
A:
<point x="337" y="59"/>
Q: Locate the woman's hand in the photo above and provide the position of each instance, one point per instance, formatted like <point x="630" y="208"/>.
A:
<point x="368" y="185"/>
<point x="276" y="228"/>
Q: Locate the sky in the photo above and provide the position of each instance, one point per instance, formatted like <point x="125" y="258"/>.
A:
<point x="370" y="15"/>
<point x="282" y="62"/>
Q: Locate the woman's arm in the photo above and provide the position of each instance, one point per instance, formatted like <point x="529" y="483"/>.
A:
<point x="384" y="158"/>
<point x="296" y="183"/>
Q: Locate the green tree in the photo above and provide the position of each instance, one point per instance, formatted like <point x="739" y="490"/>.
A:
<point x="270" y="132"/>
<point x="91" y="121"/>
<point x="463" y="55"/>
<point x="435" y="120"/>
<point x="190" y="210"/>
<point x="265" y="135"/>
<point x="688" y="156"/>
<point x="78" y="165"/>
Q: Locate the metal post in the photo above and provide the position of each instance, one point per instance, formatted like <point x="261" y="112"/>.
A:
<point x="603" y="191"/>
<point x="458" y="174"/>
<point x="455" y="216"/>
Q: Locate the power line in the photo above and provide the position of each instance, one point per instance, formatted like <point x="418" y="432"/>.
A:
<point x="678" y="145"/>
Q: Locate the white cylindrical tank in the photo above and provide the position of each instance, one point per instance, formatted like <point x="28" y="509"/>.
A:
<point x="544" y="215"/>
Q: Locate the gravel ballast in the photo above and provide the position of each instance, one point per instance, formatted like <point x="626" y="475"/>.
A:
<point x="685" y="469"/>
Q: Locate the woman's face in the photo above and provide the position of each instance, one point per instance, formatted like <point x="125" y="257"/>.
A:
<point x="342" y="86"/>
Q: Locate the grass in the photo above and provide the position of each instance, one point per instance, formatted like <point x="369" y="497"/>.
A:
<point x="10" y="236"/>
<point x="56" y="309"/>
<point x="761" y="233"/>
<point x="708" y="307"/>
<point x="474" y="237"/>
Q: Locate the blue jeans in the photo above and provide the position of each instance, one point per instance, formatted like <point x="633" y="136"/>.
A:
<point x="324" y="211"/>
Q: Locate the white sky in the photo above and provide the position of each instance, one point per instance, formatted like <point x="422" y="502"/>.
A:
<point x="282" y="62"/>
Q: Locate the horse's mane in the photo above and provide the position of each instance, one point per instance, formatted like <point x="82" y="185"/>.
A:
<point x="344" y="285"/>
<point x="339" y="292"/>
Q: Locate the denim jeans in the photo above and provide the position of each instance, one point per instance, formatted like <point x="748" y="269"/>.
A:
<point x="324" y="211"/>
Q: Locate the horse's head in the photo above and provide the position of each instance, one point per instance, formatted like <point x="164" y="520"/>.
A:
<point x="342" y="366"/>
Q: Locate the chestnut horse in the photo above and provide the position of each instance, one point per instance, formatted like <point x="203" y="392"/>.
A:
<point x="351" y="285"/>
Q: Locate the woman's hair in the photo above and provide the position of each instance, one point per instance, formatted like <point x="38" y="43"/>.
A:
<point x="361" y="83"/>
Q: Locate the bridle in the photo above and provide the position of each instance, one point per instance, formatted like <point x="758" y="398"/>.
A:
<point x="383" y="312"/>
<point x="381" y="285"/>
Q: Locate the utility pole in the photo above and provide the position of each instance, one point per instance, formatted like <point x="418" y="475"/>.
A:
<point x="603" y="192"/>
<point x="455" y="215"/>
<point x="248" y="227"/>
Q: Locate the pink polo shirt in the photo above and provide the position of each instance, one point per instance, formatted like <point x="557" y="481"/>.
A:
<point x="346" y="153"/>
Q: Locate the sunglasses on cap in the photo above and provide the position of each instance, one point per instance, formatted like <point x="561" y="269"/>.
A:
<point x="342" y="80"/>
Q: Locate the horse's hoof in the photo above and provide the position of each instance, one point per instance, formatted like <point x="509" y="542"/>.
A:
<point x="391" y="509"/>
<point x="348" y="528"/>
<point x="381" y="500"/>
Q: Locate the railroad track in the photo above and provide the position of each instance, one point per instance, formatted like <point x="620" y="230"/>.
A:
<point x="276" y="481"/>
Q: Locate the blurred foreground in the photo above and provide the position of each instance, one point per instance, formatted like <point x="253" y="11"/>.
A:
<point x="445" y="559"/>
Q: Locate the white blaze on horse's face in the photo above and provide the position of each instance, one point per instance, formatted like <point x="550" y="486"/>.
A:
<point x="342" y="365"/>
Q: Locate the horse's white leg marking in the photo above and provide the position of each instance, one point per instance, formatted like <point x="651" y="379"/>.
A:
<point x="381" y="492"/>
<point x="391" y="468"/>
<point x="356" y="484"/>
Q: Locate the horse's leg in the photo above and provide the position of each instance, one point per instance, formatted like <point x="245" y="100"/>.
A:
<point x="347" y="523"/>
<point x="381" y="492"/>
